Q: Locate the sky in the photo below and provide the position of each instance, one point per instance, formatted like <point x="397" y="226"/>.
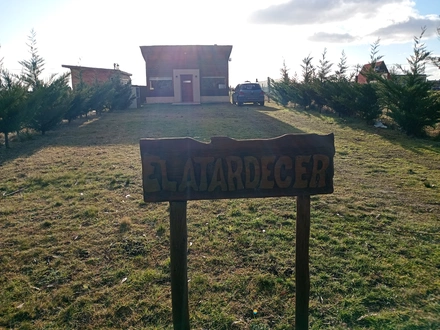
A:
<point x="264" y="34"/>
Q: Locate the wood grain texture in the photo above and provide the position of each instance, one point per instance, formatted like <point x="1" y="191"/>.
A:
<point x="302" y="276"/>
<point x="181" y="169"/>
<point x="179" y="277"/>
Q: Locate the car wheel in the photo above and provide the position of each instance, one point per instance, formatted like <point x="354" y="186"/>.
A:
<point x="240" y="104"/>
<point x="262" y="104"/>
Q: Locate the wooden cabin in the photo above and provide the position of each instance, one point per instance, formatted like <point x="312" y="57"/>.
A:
<point x="190" y="74"/>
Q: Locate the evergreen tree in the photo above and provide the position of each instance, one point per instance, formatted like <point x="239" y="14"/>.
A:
<point x="12" y="104"/>
<point x="47" y="99"/>
<point x="366" y="102"/>
<point x="324" y="67"/>
<point x="409" y="100"/>
<point x="78" y="101"/>
<point x="305" y="89"/>
<point x="49" y="103"/>
<point x="341" y="96"/>
<point x="32" y="68"/>
<point x="282" y="91"/>
<point x="319" y="84"/>
<point x="100" y="97"/>
<point x="308" y="69"/>
<point x="365" y="96"/>
<point x="340" y="73"/>
<point x="122" y="95"/>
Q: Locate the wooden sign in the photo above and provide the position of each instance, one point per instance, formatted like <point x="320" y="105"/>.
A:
<point x="182" y="169"/>
<point x="185" y="169"/>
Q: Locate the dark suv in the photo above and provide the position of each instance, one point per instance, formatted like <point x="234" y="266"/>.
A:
<point x="248" y="93"/>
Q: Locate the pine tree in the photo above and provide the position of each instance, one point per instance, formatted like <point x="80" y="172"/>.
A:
<point x="282" y="91"/>
<point x="317" y="91"/>
<point x="305" y="89"/>
<point x="12" y="104"/>
<point x="49" y="103"/>
<point x="122" y="95"/>
<point x="78" y="101"/>
<point x="47" y="99"/>
<point x="340" y="73"/>
<point x="324" y="67"/>
<point x="409" y="100"/>
<point x="308" y="69"/>
<point x="366" y="103"/>
<point x="33" y="68"/>
<point x="100" y="97"/>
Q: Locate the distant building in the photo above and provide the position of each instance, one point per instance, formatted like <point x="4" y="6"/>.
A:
<point x="380" y="68"/>
<point x="187" y="74"/>
<point x="435" y="85"/>
<point x="91" y="76"/>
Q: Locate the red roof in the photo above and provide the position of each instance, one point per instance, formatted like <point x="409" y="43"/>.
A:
<point x="379" y="67"/>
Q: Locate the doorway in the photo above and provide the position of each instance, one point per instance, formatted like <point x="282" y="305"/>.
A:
<point x="186" y="83"/>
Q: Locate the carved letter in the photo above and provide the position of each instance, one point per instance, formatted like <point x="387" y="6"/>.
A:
<point x="266" y="172"/>
<point x="166" y="185"/>
<point x="318" y="173"/>
<point x="300" y="170"/>
<point x="218" y="177"/>
<point x="188" y="171"/>
<point x="150" y="184"/>
<point x="248" y="161"/>
<point x="203" y="161"/>
<point x="235" y="174"/>
<point x="283" y="164"/>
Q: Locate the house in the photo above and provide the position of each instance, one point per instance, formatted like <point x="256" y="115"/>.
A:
<point x="91" y="76"/>
<point x="379" y="67"/>
<point x="435" y="85"/>
<point x="190" y="74"/>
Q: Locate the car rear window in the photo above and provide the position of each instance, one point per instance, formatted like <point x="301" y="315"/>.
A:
<point x="250" y="87"/>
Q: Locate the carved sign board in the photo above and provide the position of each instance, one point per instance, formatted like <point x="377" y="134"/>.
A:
<point x="180" y="169"/>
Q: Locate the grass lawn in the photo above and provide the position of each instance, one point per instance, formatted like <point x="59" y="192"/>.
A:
<point x="79" y="249"/>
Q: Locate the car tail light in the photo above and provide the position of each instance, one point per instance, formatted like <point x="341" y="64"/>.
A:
<point x="241" y="93"/>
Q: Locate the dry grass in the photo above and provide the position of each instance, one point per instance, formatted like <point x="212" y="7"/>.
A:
<point x="81" y="250"/>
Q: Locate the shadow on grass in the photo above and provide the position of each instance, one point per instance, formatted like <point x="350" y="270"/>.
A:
<point x="393" y="135"/>
<point x="200" y="122"/>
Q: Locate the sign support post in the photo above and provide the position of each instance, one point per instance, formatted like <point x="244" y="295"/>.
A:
<point x="179" y="277"/>
<point x="302" y="276"/>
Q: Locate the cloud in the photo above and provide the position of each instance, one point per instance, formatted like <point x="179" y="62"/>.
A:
<point x="332" y="37"/>
<point x="301" y="12"/>
<point x="405" y="31"/>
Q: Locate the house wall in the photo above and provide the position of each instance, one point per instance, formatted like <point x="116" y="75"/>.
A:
<point x="203" y="62"/>
<point x="215" y="99"/>
<point x="90" y="76"/>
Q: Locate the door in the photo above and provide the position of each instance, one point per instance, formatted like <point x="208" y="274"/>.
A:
<point x="186" y="85"/>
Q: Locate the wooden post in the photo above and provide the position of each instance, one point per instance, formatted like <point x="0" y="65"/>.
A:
<point x="302" y="275"/>
<point x="179" y="278"/>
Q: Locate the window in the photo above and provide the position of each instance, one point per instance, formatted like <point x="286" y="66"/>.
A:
<point x="213" y="83"/>
<point x="213" y="86"/>
<point x="250" y="87"/>
<point x="161" y="84"/>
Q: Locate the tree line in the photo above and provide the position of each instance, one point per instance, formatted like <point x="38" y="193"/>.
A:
<point x="29" y="102"/>
<point x="404" y="96"/>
